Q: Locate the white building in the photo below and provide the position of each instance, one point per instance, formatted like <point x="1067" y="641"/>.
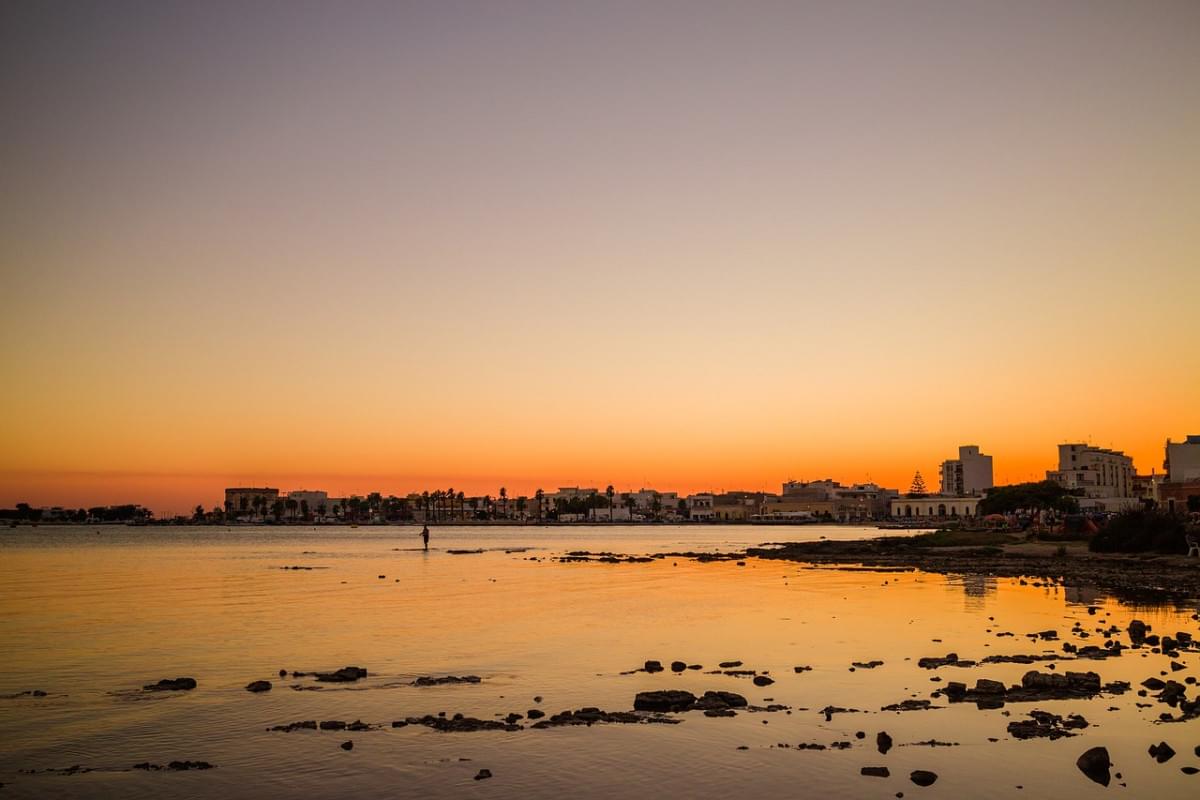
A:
<point x="1183" y="460"/>
<point x="314" y="498"/>
<point x="935" y="506"/>
<point x="700" y="507"/>
<point x="970" y="473"/>
<point x="1099" y="473"/>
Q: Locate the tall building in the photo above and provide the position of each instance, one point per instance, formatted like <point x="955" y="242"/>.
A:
<point x="240" y="500"/>
<point x="1096" y="471"/>
<point x="1183" y="460"/>
<point x="969" y="474"/>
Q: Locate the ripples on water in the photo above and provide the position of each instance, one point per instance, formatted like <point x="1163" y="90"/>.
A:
<point x="89" y="617"/>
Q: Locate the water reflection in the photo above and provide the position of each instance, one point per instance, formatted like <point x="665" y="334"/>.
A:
<point x="91" y="621"/>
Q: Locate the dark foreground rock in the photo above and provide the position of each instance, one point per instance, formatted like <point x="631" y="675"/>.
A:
<point x="461" y="724"/>
<point x="1162" y="752"/>
<point x="1095" y="764"/>
<point x="1044" y="725"/>
<point x="171" y="685"/>
<point x="483" y="774"/>
<point x="592" y="716"/>
<point x="426" y="680"/>
<point x="174" y="766"/>
<point x="258" y="686"/>
<point x="876" y="772"/>
<point x="923" y="777"/>
<point x="1034" y="687"/>
<point x="678" y="700"/>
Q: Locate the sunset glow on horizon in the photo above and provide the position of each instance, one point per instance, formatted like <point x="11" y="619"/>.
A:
<point x="399" y="247"/>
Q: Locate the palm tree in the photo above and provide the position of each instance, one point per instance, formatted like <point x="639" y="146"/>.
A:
<point x="304" y="509"/>
<point x="521" y="501"/>
<point x="291" y="505"/>
<point x="198" y="516"/>
<point x="425" y="504"/>
<point x="487" y="506"/>
<point x="462" y="508"/>
<point x="630" y="502"/>
<point x="450" y="493"/>
<point x="321" y="510"/>
<point x="610" y="492"/>
<point x="504" y="500"/>
<point x="540" y="496"/>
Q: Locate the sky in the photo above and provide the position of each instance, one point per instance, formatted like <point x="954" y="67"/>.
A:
<point x="691" y="245"/>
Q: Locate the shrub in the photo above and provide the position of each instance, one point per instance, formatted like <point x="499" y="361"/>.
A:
<point x="1140" y="531"/>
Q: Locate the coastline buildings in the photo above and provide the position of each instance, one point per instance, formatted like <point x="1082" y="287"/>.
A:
<point x="1180" y="491"/>
<point x="244" y="500"/>
<point x="1103" y="477"/>
<point x="969" y="474"/>
<point x="935" y="506"/>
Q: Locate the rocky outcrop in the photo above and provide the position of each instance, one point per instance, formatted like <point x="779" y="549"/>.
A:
<point x="171" y="685"/>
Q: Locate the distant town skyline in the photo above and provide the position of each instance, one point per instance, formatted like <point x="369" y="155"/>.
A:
<point x="185" y="492"/>
<point x="697" y="244"/>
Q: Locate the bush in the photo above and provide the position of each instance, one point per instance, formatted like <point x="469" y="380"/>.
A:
<point x="1140" y="531"/>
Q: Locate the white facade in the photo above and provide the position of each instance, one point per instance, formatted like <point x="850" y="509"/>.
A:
<point x="314" y="498"/>
<point x="970" y="473"/>
<point x="1098" y="472"/>
<point x="935" y="506"/>
<point x="1183" y="460"/>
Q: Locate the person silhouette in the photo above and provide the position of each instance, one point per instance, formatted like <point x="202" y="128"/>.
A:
<point x="425" y="536"/>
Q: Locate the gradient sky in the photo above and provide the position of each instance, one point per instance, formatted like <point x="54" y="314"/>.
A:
<point x="361" y="246"/>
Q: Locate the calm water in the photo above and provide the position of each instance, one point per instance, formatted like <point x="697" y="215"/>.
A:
<point x="91" y="616"/>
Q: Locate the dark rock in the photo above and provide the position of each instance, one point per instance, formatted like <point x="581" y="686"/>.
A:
<point x="307" y="725"/>
<point x="347" y="745"/>
<point x="729" y="664"/>
<point x="343" y="675"/>
<point x="829" y="711"/>
<point x="461" y="724"/>
<point x="283" y="673"/>
<point x="653" y="666"/>
<point x="535" y="713"/>
<point x="949" y="660"/>
<point x="1162" y="752"/>
<point x="678" y="666"/>
<point x="358" y="725"/>
<point x="171" y="685"/>
<point x="875" y="772"/>
<point x="883" y="742"/>
<point x="483" y="774"/>
<point x="923" y="777"/>
<point x="400" y="723"/>
<point x="802" y="669"/>
<point x="258" y="686"/>
<point x="866" y="664"/>
<point x="910" y="705"/>
<point x="1137" y="634"/>
<point x="667" y="700"/>
<point x="1189" y="770"/>
<point x="719" y="700"/>
<point x="763" y="680"/>
<point x="332" y="725"/>
<point x="1095" y="764"/>
<point x="426" y="680"/>
<point x="1044" y="725"/>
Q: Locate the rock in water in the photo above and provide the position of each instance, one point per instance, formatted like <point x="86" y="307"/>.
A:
<point x="171" y="685"/>
<point x="653" y="666"/>
<point x="1095" y="764"/>
<point x="883" y="742"/>
<point x="483" y="774"/>
<point x="258" y="686"/>
<point x="669" y="700"/>
<point x="1162" y="752"/>
<point x="875" y="772"/>
<point x="347" y="745"/>
<point x="678" y="666"/>
<point x="763" y="680"/>
<point x="923" y="777"/>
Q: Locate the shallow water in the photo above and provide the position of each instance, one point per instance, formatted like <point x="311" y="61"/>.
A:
<point x="92" y="616"/>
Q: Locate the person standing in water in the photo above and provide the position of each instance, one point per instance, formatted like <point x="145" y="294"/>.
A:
<point x="425" y="536"/>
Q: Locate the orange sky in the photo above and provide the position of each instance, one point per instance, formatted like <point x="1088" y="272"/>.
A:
<point x="691" y="246"/>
